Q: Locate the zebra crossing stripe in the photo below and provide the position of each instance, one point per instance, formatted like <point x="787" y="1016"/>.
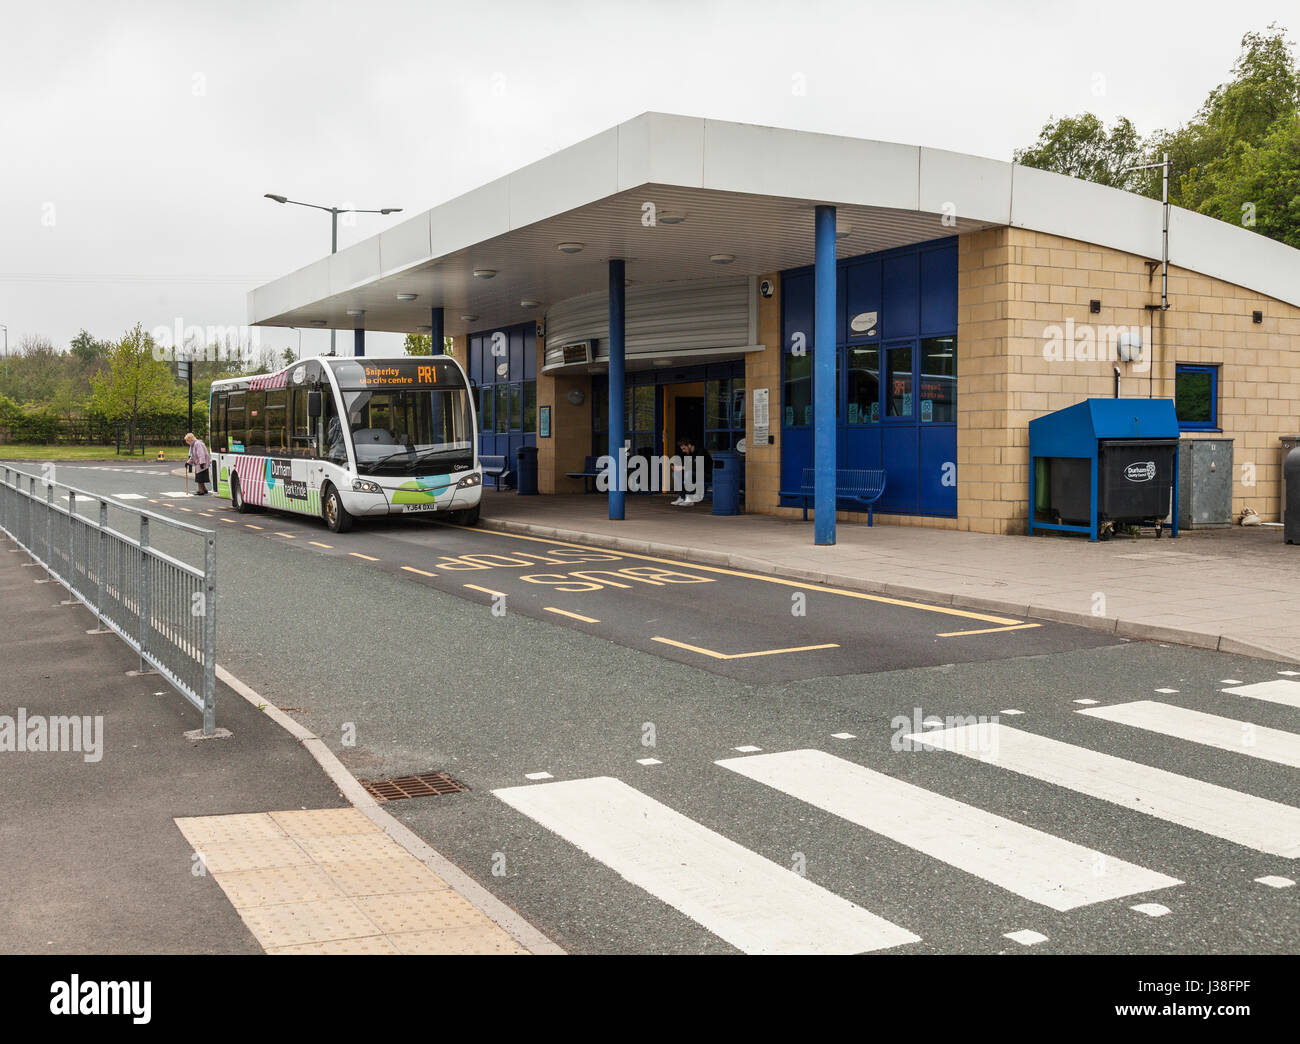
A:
<point x="1038" y="866"/>
<point x="1240" y="737"/>
<point x="754" y="904"/>
<point x="1266" y="826"/>
<point x="1279" y="690"/>
<point x="129" y="496"/>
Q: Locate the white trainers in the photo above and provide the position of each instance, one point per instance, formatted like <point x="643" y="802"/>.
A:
<point x="679" y="502"/>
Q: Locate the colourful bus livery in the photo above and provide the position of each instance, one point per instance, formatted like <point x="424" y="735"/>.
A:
<point x="345" y="438"/>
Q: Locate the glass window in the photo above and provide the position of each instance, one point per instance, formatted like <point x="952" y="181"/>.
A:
<point x="516" y="407"/>
<point x="864" y="384"/>
<point x="277" y="422"/>
<point x="642" y="417"/>
<point x="1196" y="393"/>
<point x="738" y="404"/>
<point x="717" y="405"/>
<point x="796" y="397"/>
<point x="255" y="443"/>
<point x="898" y="387"/>
<point x="400" y="429"/>
<point x="236" y="421"/>
<point x="502" y="408"/>
<point x="938" y="391"/>
<point x="485" y="409"/>
<point x="530" y="407"/>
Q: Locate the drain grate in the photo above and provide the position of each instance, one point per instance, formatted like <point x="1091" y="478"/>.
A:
<point x="426" y="784"/>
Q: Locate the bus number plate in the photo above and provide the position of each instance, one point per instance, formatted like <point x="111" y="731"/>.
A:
<point x="421" y="507"/>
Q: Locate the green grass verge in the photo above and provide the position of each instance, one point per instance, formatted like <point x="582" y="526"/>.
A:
<point x="21" y="451"/>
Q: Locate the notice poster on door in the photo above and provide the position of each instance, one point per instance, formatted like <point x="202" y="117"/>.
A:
<point x="760" y="417"/>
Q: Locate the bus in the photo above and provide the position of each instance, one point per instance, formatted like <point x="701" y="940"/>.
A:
<point x="341" y="439"/>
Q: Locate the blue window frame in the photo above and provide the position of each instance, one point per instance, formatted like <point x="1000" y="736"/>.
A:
<point x="1196" y="397"/>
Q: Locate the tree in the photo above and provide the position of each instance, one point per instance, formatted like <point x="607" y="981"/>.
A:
<point x="88" y="349"/>
<point x="1235" y="160"/>
<point x="422" y="344"/>
<point x="1082" y="147"/>
<point x="138" y="382"/>
<point x="288" y="358"/>
<point x="1260" y="188"/>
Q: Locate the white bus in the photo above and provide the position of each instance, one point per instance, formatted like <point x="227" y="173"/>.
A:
<point x="345" y="438"/>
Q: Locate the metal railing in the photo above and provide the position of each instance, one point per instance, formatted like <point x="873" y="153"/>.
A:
<point x="162" y="607"/>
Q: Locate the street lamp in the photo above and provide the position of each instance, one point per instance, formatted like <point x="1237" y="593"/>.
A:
<point x="334" y="213"/>
<point x="6" y="330"/>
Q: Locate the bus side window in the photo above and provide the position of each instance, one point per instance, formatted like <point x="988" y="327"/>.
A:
<point x="303" y="443"/>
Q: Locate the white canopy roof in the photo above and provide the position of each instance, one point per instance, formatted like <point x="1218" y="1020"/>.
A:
<point x="740" y="190"/>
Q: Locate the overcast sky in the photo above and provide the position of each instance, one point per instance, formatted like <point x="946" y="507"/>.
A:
<point x="138" y="138"/>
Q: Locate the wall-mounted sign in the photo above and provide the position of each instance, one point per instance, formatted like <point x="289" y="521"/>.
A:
<point x="543" y="422"/>
<point x="761" y="435"/>
<point x="863" y="322"/>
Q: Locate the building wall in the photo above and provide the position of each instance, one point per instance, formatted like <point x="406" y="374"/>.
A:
<point x="1017" y="288"/>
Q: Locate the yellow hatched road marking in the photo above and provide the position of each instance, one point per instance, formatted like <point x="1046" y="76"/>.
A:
<point x="358" y="554"/>
<point x="287" y="536"/>
<point x="743" y="656"/>
<point x="317" y="543"/>
<point x="988" y="630"/>
<point x="251" y="526"/>
<point x="231" y="521"/>
<point x="965" y="614"/>
<point x="422" y="572"/>
<point x="486" y="590"/>
<point x="575" y="616"/>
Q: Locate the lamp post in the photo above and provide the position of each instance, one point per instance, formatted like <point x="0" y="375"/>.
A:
<point x="334" y="213"/>
<point x="6" y="330"/>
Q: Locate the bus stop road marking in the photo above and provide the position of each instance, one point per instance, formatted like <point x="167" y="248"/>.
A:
<point x="421" y="572"/>
<point x="317" y="543"/>
<point x="988" y="630"/>
<point x="358" y="554"/>
<point x="743" y="656"/>
<point x="486" y="591"/>
<point x="287" y="536"/>
<point x="572" y="616"/>
<point x="943" y="610"/>
<point x="230" y="521"/>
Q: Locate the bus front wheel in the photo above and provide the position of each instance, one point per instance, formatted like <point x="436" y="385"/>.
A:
<point x="467" y="517"/>
<point x="336" y="515"/>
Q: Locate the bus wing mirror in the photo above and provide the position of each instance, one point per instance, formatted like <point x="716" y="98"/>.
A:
<point x="313" y="404"/>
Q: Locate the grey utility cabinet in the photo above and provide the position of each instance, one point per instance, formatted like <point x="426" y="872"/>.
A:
<point x="1204" y="483"/>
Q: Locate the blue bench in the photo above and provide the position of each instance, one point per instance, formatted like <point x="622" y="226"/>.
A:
<point x="496" y="469"/>
<point x="588" y="474"/>
<point x="860" y="487"/>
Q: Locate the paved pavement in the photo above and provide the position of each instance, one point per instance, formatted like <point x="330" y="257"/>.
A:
<point x="131" y="838"/>
<point x="1095" y="795"/>
<point x="1237" y="590"/>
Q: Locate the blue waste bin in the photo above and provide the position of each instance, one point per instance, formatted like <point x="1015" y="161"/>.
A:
<point x="526" y="471"/>
<point x="728" y="473"/>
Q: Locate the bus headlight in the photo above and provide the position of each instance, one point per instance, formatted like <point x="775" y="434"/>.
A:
<point x="469" y="481"/>
<point x="366" y="486"/>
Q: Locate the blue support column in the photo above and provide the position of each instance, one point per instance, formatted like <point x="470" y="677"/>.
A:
<point x="359" y="342"/>
<point x="616" y="362"/>
<point x="436" y="332"/>
<point x="824" y="450"/>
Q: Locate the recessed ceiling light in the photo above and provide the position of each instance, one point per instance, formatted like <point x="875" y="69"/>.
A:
<point x="318" y="322"/>
<point x="407" y="297"/>
<point x="529" y="303"/>
<point x="468" y="318"/>
<point x="424" y="329"/>
<point x="570" y="248"/>
<point x="356" y="311"/>
<point x="722" y="259"/>
<point x="484" y="273"/>
<point x="671" y="219"/>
